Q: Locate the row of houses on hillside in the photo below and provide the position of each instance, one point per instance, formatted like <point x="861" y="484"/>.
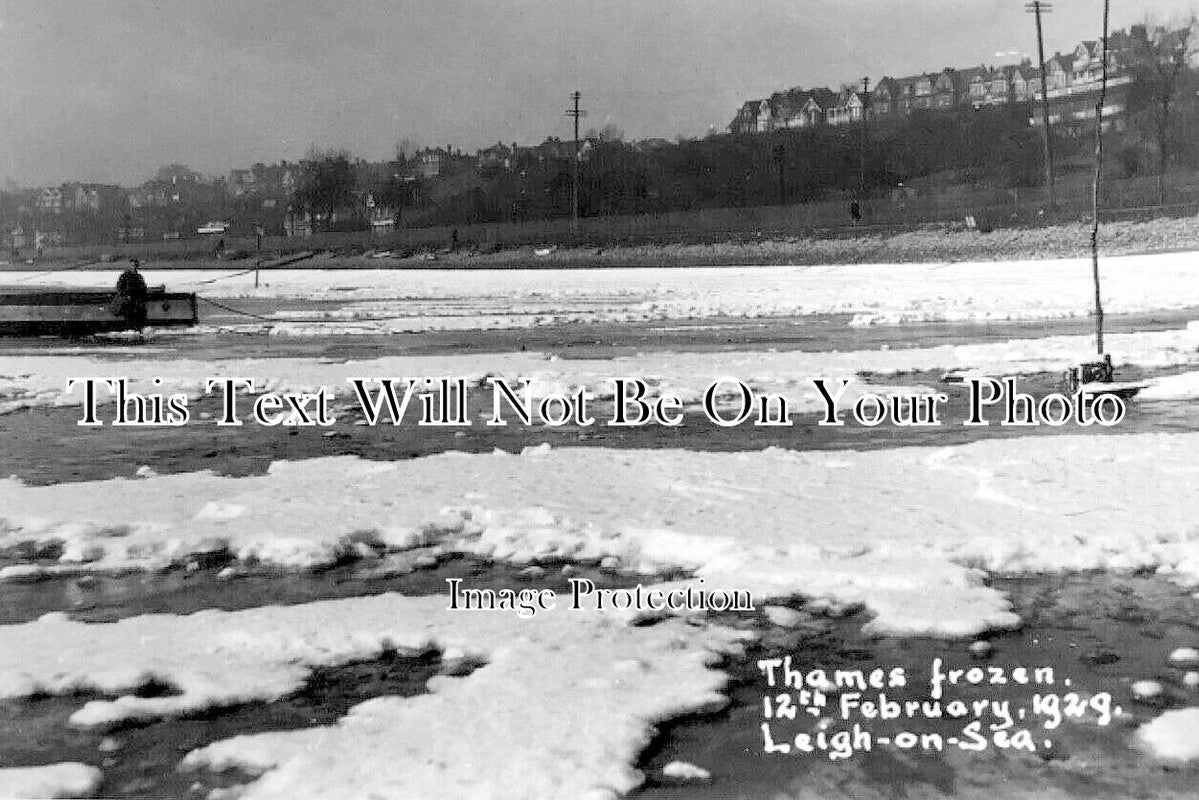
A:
<point x="800" y="108"/>
<point x="1072" y="86"/>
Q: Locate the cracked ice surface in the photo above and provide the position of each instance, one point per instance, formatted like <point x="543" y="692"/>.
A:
<point x="28" y="381"/>
<point x="899" y="530"/>
<point x="903" y="531"/>
<point x="408" y="299"/>
<point x="561" y="708"/>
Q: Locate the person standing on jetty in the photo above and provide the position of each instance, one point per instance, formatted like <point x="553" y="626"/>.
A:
<point x="131" y="291"/>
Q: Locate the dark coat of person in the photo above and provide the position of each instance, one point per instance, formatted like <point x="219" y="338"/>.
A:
<point x="131" y="300"/>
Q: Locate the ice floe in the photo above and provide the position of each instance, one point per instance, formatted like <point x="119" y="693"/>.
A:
<point x="560" y="708"/>
<point x="1172" y="736"/>
<point x="68" y="779"/>
<point x="904" y="531"/>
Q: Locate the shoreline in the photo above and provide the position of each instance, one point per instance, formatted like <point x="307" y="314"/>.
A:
<point x="945" y="243"/>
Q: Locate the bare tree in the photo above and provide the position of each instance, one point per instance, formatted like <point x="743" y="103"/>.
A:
<point x="327" y="181"/>
<point x="1160" y="57"/>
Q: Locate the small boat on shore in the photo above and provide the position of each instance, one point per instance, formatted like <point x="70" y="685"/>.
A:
<point x="37" y="311"/>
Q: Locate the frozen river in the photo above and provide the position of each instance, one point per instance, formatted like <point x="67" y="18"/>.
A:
<point x="191" y="606"/>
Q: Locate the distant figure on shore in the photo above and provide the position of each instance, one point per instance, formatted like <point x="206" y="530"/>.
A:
<point x="131" y="291"/>
<point x="454" y="241"/>
<point x="855" y="211"/>
<point x="220" y="249"/>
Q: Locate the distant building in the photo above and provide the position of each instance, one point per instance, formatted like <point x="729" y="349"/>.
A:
<point x="177" y="174"/>
<point x="297" y="224"/>
<point x="87" y="198"/>
<point x="752" y="117"/>
<point x="498" y="155"/>
<point x="49" y="200"/>
<point x="430" y="162"/>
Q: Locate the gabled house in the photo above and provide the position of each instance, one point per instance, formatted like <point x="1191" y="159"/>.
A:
<point x="963" y="80"/>
<point x="1060" y="72"/>
<point x="849" y="107"/>
<point x="498" y="155"/>
<point x="748" y="117"/>
<point x="1026" y="82"/>
<point x="979" y="86"/>
<point x="90" y="198"/>
<point x="816" y="108"/>
<point x="1088" y="62"/>
<point x="923" y="91"/>
<point x="882" y="99"/>
<point x="944" y="89"/>
<point x="812" y="113"/>
<point x="554" y="149"/>
<point x="999" y="86"/>
<point x="905" y="98"/>
<point x="786" y="108"/>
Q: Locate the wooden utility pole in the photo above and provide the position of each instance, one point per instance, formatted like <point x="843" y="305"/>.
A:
<point x="1095" y="186"/>
<point x="862" y="143"/>
<point x="1037" y="8"/>
<point x="574" y="201"/>
<point x="780" y="164"/>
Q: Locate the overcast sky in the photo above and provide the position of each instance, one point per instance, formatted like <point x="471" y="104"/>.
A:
<point x="108" y="90"/>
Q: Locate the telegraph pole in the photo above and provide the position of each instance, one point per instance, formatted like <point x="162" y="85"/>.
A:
<point x="862" y="144"/>
<point x="1037" y="8"/>
<point x="1095" y="185"/>
<point x="574" y="204"/>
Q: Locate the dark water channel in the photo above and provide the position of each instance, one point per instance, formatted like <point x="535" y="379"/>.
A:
<point x="1098" y="631"/>
<point x="139" y="760"/>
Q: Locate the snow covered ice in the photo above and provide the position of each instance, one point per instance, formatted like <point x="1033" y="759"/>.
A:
<point x="29" y="381"/>
<point x="906" y="532"/>
<point x="909" y="534"/>
<point x="414" y="300"/>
